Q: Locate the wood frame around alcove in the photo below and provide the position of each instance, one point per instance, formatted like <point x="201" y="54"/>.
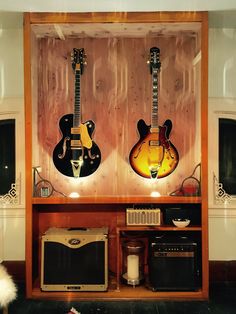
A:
<point x="114" y="205"/>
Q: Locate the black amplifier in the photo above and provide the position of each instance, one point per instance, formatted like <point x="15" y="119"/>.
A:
<point x="173" y="264"/>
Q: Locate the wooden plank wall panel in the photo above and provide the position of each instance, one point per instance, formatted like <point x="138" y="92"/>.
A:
<point x="115" y="93"/>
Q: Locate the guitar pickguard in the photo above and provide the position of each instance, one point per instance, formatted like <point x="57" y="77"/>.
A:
<point x="82" y="131"/>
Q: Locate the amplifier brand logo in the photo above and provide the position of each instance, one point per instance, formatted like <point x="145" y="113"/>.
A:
<point x="74" y="241"/>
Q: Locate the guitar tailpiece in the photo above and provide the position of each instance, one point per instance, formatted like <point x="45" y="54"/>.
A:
<point x="154" y="174"/>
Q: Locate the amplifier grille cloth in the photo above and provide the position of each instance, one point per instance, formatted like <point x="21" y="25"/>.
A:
<point x="143" y="216"/>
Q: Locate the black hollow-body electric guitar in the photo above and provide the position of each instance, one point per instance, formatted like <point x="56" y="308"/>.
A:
<point x="154" y="156"/>
<point x="76" y="155"/>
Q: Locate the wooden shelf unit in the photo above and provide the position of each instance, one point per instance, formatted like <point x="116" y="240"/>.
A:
<point x="107" y="204"/>
<point x="118" y="199"/>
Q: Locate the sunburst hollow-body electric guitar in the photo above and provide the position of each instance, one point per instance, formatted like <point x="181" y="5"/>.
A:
<point x="76" y="155"/>
<point x="154" y="156"/>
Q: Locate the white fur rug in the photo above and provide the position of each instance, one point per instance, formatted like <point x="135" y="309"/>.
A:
<point x="8" y="289"/>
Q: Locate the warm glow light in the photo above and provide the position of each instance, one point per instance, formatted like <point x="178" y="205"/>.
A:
<point x="74" y="195"/>
<point x="155" y="194"/>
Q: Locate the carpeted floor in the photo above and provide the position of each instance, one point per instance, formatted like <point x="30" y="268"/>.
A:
<point x="222" y="301"/>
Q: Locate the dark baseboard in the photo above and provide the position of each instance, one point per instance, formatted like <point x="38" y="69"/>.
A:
<point x="222" y="271"/>
<point x="16" y="269"/>
<point x="219" y="271"/>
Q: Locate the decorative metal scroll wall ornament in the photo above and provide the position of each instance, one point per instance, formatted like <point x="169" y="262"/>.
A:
<point x="43" y="187"/>
<point x="220" y="196"/>
<point x="12" y="197"/>
<point x="191" y="185"/>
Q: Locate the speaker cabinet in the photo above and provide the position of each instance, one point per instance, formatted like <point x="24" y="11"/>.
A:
<point x="173" y="264"/>
<point x="74" y="259"/>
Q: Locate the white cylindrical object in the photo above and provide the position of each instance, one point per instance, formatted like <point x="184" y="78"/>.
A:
<point x="132" y="267"/>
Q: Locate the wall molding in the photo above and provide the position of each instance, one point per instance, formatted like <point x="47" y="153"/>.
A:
<point x="12" y="213"/>
<point x="222" y="213"/>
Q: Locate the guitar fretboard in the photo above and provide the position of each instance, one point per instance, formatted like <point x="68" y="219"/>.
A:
<point x="155" y="86"/>
<point x="77" y="111"/>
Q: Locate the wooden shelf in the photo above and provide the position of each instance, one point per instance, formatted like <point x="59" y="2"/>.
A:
<point x="159" y="228"/>
<point x="118" y="200"/>
<point x="124" y="292"/>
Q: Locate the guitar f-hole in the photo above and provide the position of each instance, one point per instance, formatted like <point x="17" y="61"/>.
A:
<point x="91" y="156"/>
<point x="64" y="148"/>
<point x="139" y="150"/>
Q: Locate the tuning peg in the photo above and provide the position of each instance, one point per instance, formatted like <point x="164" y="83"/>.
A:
<point x="85" y="62"/>
<point x="148" y="62"/>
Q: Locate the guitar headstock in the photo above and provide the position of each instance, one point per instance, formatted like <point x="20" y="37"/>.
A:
<point x="154" y="59"/>
<point x="78" y="59"/>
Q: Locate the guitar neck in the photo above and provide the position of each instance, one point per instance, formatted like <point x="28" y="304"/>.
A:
<point x="155" y="87"/>
<point x="77" y="108"/>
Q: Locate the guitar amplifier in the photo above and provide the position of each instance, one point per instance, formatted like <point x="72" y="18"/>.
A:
<point x="143" y="216"/>
<point x="74" y="259"/>
<point x="173" y="264"/>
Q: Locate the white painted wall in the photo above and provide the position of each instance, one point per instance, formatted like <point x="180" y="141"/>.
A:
<point x="222" y="102"/>
<point x="222" y="87"/>
<point x="12" y="220"/>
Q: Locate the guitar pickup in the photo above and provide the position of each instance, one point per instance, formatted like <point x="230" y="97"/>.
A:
<point x="75" y="143"/>
<point x="75" y="130"/>
<point x="154" y="143"/>
<point x="154" y="130"/>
